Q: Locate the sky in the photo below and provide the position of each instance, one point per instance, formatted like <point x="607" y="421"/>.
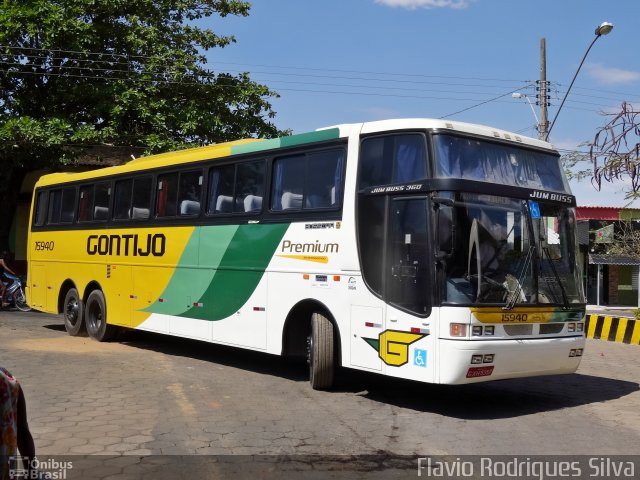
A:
<point x="344" y="61"/>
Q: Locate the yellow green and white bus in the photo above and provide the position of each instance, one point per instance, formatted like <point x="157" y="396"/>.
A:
<point x="423" y="249"/>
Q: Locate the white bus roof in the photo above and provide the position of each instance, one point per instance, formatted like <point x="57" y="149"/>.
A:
<point x="431" y="123"/>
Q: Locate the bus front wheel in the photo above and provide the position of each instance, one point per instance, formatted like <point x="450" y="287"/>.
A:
<point x="73" y="313"/>
<point x="321" y="352"/>
<point x="96" y="318"/>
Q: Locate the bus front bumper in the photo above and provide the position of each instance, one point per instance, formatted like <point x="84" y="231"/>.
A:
<point x="511" y="358"/>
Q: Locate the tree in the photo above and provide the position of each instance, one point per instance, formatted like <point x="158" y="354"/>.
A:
<point x="116" y="72"/>
<point x="615" y="150"/>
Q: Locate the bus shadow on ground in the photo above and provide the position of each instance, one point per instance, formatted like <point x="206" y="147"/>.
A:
<point x="56" y="327"/>
<point x="490" y="400"/>
<point x="234" y="357"/>
<point x="480" y="401"/>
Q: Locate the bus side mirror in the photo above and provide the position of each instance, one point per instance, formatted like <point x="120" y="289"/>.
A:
<point x="445" y="237"/>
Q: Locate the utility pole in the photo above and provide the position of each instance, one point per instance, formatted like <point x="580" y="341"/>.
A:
<point x="543" y="89"/>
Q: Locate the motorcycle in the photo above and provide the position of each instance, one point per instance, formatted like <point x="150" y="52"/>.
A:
<point x="14" y="293"/>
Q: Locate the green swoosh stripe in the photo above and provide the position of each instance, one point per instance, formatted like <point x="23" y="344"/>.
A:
<point x="236" y="257"/>
<point x="290" y="141"/>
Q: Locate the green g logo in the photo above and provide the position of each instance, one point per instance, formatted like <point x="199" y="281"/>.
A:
<point x="393" y="346"/>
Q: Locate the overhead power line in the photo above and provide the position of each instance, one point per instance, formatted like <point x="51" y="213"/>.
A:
<point x="101" y="56"/>
<point x="212" y="85"/>
<point x="111" y="66"/>
<point x="478" y="104"/>
<point x="81" y="69"/>
<point x="125" y="60"/>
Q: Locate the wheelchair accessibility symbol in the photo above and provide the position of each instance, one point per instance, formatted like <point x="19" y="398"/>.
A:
<point x="420" y="358"/>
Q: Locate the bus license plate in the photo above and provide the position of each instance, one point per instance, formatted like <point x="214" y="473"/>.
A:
<point x="474" y="372"/>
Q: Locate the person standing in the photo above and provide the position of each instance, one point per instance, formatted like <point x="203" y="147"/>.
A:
<point x="14" y="429"/>
<point x="3" y="267"/>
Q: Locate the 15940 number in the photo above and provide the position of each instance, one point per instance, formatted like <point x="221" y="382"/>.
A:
<point x="514" y="317"/>
<point x="49" y="246"/>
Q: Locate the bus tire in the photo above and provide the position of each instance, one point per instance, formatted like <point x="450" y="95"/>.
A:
<point x="96" y="318"/>
<point x="73" y="311"/>
<point x="321" y="352"/>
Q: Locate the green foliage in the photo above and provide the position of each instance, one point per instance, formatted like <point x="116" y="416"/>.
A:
<point x="574" y="164"/>
<point x="120" y="72"/>
<point x="79" y="73"/>
<point x="636" y="313"/>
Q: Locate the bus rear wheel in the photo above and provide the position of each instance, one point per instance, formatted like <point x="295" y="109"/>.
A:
<point x="96" y="318"/>
<point x="321" y="352"/>
<point x="73" y="313"/>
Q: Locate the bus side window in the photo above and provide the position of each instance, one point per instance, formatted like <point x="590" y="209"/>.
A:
<point x="392" y="159"/>
<point x="324" y="179"/>
<point x="167" y="195"/>
<point x="85" y="205"/>
<point x="122" y="200"/>
<point x="221" y="182"/>
<point x="41" y="208"/>
<point x="309" y="181"/>
<point x="249" y="190"/>
<point x="189" y="193"/>
<point x="62" y="204"/>
<point x="68" y="206"/>
<point x="132" y="199"/>
<point x="55" y="201"/>
<point x="141" y="205"/>
<point x="101" y="201"/>
<point x="288" y="183"/>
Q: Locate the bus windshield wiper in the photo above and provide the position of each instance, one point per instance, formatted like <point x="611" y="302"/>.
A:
<point x="515" y="291"/>
<point x="565" y="298"/>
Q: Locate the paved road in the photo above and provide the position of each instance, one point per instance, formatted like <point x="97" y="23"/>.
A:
<point x="151" y="394"/>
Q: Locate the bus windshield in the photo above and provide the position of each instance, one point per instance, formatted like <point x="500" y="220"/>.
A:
<point x="473" y="159"/>
<point x="507" y="251"/>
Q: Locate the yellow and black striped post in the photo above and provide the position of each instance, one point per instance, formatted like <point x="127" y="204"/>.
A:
<point x="613" y="329"/>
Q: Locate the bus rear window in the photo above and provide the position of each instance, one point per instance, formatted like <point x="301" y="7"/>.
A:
<point x="41" y="209"/>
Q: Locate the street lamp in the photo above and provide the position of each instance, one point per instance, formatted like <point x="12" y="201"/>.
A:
<point x="603" y="29"/>
<point x="522" y="95"/>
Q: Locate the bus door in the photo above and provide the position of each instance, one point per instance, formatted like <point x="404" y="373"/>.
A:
<point x="407" y="289"/>
<point x="37" y="288"/>
<point x="396" y="266"/>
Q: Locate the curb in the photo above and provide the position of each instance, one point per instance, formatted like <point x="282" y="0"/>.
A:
<point x="613" y="329"/>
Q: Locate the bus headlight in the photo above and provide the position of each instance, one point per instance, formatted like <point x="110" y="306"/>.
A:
<point x="479" y="330"/>
<point x="488" y="358"/>
<point x="475" y="359"/>
<point x="571" y="327"/>
<point x="580" y="327"/>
